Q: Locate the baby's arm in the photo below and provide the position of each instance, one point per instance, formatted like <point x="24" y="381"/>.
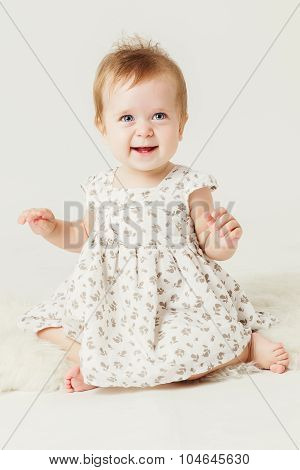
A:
<point x="201" y="202"/>
<point x="67" y="235"/>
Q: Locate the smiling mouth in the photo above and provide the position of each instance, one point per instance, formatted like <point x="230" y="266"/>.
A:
<point x="144" y="149"/>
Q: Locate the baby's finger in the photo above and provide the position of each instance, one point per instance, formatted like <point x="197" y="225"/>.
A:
<point x="237" y="233"/>
<point x="34" y="214"/>
<point x="224" y="220"/>
<point x="22" y="216"/>
<point x="212" y="217"/>
<point x="30" y="214"/>
<point x="234" y="235"/>
<point x="209" y="217"/>
<point x="34" y="220"/>
<point x="218" y="212"/>
<point x="228" y="227"/>
<point x="43" y="224"/>
<point x="40" y="213"/>
<point x="47" y="214"/>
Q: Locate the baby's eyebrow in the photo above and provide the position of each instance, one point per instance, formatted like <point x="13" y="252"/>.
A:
<point x="122" y="112"/>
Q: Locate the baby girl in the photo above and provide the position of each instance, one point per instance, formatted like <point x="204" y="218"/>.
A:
<point x="147" y="302"/>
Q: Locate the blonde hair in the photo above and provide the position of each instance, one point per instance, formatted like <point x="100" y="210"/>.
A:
<point x="135" y="57"/>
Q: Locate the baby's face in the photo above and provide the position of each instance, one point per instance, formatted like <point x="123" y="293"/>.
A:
<point x="144" y="116"/>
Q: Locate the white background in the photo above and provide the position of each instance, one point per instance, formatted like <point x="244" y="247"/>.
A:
<point x="49" y="55"/>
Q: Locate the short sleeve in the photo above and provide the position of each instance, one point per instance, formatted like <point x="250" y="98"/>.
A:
<point x="194" y="180"/>
<point x="86" y="183"/>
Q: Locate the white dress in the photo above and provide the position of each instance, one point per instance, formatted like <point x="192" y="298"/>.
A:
<point x="146" y="304"/>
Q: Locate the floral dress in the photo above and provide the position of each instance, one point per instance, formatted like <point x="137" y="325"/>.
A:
<point x="148" y="306"/>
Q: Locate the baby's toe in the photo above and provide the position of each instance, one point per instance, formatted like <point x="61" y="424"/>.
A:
<point x="282" y="356"/>
<point x="285" y="362"/>
<point x="69" y="387"/>
<point x="68" y="384"/>
<point x="277" y="368"/>
<point x="73" y="372"/>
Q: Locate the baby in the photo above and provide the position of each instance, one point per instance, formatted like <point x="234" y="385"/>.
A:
<point x="172" y="312"/>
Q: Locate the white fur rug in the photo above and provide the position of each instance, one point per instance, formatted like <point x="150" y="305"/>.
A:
<point x="31" y="364"/>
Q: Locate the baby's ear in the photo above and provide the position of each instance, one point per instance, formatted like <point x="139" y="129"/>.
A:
<point x="100" y="129"/>
<point x="103" y="138"/>
<point x="100" y="126"/>
<point x="182" y="128"/>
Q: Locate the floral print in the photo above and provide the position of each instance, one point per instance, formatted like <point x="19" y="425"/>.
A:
<point x="145" y="302"/>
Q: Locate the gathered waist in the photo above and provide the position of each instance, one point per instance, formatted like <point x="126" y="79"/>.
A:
<point x="111" y="241"/>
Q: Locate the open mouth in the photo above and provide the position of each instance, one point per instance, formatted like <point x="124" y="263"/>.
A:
<point x="144" y="149"/>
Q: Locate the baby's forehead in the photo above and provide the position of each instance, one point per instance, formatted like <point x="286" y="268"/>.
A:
<point x="157" y="87"/>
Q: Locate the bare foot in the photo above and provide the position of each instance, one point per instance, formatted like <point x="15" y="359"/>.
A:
<point x="267" y="354"/>
<point x="74" y="381"/>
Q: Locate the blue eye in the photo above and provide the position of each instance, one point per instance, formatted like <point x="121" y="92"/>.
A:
<point x="121" y="118"/>
<point x="160" y="113"/>
<point x="126" y="115"/>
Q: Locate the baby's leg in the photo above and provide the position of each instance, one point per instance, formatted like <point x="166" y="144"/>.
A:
<point x="73" y="379"/>
<point x="243" y="357"/>
<point x="57" y="336"/>
<point x="265" y="353"/>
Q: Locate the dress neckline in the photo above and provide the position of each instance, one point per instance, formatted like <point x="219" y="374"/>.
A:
<point x="152" y="188"/>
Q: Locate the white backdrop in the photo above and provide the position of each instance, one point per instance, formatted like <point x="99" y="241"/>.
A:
<point x="49" y="54"/>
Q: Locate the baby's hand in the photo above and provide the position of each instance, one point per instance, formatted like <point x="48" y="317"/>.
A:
<point x="224" y="225"/>
<point x="41" y="221"/>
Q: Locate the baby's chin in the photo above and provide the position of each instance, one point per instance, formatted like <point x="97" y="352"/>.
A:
<point x="156" y="165"/>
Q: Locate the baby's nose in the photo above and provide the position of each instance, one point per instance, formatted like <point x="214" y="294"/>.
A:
<point x="145" y="130"/>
